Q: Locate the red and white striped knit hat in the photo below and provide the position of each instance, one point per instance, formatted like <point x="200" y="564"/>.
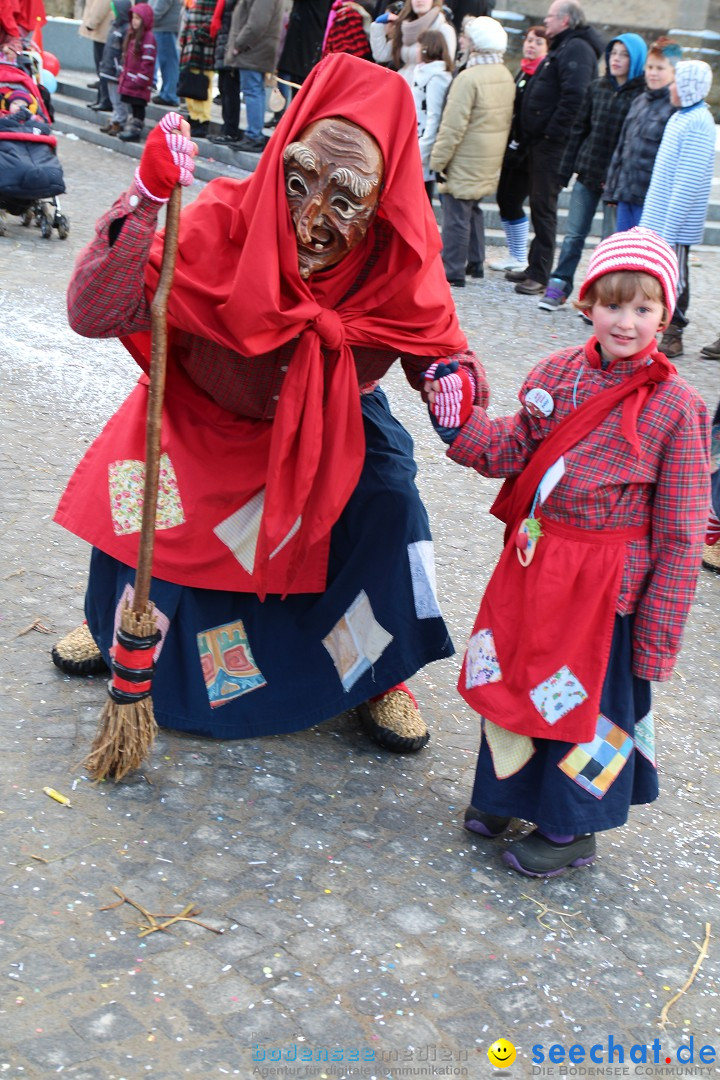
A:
<point x="637" y="249"/>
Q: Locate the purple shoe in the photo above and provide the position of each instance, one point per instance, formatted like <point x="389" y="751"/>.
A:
<point x="488" y="825"/>
<point x="537" y="856"/>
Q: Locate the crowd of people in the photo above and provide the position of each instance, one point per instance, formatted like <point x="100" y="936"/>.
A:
<point x="481" y="131"/>
<point x="293" y="575"/>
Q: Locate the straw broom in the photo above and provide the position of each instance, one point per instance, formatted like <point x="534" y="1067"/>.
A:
<point x="127" y="727"/>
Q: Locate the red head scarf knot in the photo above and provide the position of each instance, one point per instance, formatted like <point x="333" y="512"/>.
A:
<point x="329" y="327"/>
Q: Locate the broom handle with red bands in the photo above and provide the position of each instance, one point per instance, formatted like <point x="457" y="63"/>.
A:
<point x="156" y="391"/>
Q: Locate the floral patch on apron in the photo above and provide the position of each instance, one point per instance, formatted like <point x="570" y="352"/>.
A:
<point x="558" y="695"/>
<point x="422" y="573"/>
<point x="356" y="641"/>
<point x="596" y="765"/>
<point x="509" y="751"/>
<point x="228" y="666"/>
<point x="481" y="661"/>
<point x="644" y="737"/>
<point x="127" y="482"/>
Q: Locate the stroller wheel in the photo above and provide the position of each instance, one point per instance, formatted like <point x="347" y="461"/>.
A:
<point x="27" y="217"/>
<point x="62" y="225"/>
<point x="45" y="228"/>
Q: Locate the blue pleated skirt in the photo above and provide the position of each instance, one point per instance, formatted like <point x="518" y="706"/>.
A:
<point x="233" y="667"/>
<point x="577" y="787"/>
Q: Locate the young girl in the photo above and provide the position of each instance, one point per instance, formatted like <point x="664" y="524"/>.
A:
<point x="431" y="79"/>
<point x="605" y="508"/>
<point x="138" y="69"/>
<point x="394" y="39"/>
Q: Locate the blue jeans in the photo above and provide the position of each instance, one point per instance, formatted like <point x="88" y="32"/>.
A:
<point x="167" y="62"/>
<point x="583" y="204"/>
<point x="628" y="215"/>
<point x="252" y="86"/>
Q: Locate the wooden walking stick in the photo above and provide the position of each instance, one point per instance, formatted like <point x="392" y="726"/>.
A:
<point x="127" y="725"/>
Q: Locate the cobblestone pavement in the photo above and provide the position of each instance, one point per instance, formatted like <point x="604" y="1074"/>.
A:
<point x="356" y="913"/>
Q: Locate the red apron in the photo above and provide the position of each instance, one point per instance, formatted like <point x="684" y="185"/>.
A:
<point x="536" y="660"/>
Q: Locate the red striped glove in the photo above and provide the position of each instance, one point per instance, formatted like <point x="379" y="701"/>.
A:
<point x="167" y="160"/>
<point x="454" y="399"/>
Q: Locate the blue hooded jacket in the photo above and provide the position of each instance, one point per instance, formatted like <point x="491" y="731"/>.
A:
<point x="600" y="119"/>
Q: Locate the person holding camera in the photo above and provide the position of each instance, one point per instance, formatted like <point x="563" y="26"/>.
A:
<point x="394" y="36"/>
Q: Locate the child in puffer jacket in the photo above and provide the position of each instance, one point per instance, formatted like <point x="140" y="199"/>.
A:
<point x="111" y="65"/>
<point x="630" y="169"/>
<point x="138" y="70"/>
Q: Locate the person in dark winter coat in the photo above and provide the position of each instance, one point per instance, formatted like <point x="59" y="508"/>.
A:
<point x="228" y="77"/>
<point x="514" y="183"/>
<point x="252" y="49"/>
<point x="550" y="105"/>
<point x="304" y="38"/>
<point x="630" y="169"/>
<point x="588" y="152"/>
<point x="111" y="66"/>
<point x="138" y="70"/>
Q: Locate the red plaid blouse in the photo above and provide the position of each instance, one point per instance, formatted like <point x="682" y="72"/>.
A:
<point x="606" y="485"/>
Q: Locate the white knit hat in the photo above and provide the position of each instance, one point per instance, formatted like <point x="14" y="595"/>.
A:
<point x="693" y="79"/>
<point x="637" y="249"/>
<point x="486" y="34"/>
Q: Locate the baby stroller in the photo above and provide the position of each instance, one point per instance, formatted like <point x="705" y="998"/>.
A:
<point x="31" y="176"/>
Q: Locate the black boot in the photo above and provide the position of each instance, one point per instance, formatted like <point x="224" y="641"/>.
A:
<point x="133" y="132"/>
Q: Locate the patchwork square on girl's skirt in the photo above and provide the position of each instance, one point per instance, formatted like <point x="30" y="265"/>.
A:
<point x="481" y="660"/>
<point x="558" y="695"/>
<point x="228" y="666"/>
<point x="356" y="641"/>
<point x="509" y="751"/>
<point x="595" y="765"/>
<point x="127" y="486"/>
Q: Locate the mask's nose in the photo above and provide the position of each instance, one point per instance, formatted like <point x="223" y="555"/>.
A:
<point x="310" y="214"/>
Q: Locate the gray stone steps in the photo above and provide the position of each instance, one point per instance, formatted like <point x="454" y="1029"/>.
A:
<point x="73" y="117"/>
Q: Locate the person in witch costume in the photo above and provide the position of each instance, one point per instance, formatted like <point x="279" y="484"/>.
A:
<point x="293" y="573"/>
<point x="605" y="505"/>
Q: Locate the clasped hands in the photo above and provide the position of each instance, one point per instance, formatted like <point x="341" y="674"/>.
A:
<point x="449" y="391"/>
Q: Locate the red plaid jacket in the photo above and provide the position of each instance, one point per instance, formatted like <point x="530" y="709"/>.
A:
<point x="106" y="298"/>
<point x="607" y="486"/>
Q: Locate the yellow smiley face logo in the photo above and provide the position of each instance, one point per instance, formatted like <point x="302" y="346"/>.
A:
<point x="501" y="1053"/>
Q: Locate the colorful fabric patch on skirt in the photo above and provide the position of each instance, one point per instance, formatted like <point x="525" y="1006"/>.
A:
<point x="595" y="765"/>
<point x="240" y="531"/>
<point x="509" y="751"/>
<point x="422" y="572"/>
<point x="481" y="661"/>
<point x="558" y="695"/>
<point x="228" y="667"/>
<point x="644" y="737"/>
<point x="127" y="483"/>
<point x="161" y="621"/>
<point x="356" y="641"/>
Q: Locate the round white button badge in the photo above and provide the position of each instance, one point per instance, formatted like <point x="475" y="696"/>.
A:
<point x="539" y="402"/>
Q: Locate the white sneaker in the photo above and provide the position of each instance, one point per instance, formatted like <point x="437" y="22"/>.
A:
<point x="507" y="264"/>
